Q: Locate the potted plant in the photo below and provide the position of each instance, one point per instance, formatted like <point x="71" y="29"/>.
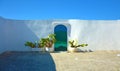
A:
<point x="47" y="43"/>
<point x="42" y="44"/>
<point x="74" y="46"/>
<point x="50" y="40"/>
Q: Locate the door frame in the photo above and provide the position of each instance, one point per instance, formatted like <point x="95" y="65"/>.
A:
<point x="66" y="24"/>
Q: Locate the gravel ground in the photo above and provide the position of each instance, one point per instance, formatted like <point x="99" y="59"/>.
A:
<point x="63" y="61"/>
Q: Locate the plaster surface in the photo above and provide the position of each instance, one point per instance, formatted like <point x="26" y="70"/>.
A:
<point x="99" y="34"/>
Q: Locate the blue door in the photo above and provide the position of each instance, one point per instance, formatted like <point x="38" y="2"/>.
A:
<point x="61" y="37"/>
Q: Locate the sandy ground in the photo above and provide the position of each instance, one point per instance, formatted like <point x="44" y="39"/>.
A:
<point x="60" y="61"/>
<point x="88" y="61"/>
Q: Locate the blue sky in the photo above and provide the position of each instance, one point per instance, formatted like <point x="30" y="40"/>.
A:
<point x="60" y="9"/>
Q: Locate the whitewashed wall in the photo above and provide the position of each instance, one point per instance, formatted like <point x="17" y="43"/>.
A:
<point x="99" y="34"/>
<point x="14" y="33"/>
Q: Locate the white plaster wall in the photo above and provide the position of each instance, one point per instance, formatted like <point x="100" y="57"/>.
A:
<point x="99" y="34"/>
<point x="14" y="33"/>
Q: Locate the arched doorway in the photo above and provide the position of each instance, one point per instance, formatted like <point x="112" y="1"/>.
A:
<point x="61" y="37"/>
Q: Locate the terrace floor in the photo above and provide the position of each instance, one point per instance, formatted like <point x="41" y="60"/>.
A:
<point x="82" y="61"/>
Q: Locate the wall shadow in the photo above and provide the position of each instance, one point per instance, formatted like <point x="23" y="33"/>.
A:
<point x="14" y="33"/>
<point x="26" y="61"/>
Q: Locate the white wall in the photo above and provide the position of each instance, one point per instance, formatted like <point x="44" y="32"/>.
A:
<point x="99" y="34"/>
<point x="14" y="33"/>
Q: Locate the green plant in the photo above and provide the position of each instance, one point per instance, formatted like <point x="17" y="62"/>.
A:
<point x="43" y="42"/>
<point x="47" y="42"/>
<point x="74" y="44"/>
<point x="30" y="44"/>
<point x="50" y="40"/>
<point x="52" y="37"/>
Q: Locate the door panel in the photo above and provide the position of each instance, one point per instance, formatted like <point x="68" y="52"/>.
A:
<point x="61" y="37"/>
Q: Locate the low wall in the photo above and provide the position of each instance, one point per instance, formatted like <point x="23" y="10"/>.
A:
<point x="99" y="34"/>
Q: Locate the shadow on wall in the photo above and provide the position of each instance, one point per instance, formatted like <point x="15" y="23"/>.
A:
<point x="26" y="61"/>
<point x="14" y="34"/>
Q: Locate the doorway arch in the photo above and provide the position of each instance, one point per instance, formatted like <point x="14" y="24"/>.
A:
<point x="61" y="37"/>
